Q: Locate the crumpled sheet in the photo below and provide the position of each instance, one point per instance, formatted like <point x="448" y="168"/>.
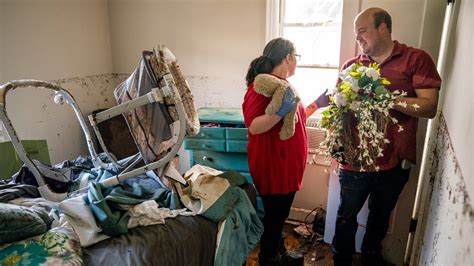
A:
<point x="149" y="213"/>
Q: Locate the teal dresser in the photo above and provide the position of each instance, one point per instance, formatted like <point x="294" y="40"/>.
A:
<point x="221" y="143"/>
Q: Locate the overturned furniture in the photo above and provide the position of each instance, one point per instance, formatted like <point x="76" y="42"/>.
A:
<point x="159" y="109"/>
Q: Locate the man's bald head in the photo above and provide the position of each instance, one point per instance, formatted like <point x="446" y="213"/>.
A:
<point x="379" y="16"/>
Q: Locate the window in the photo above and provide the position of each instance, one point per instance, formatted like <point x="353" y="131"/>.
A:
<point x="314" y="26"/>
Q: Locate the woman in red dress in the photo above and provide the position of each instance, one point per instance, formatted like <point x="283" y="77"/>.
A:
<point x="276" y="165"/>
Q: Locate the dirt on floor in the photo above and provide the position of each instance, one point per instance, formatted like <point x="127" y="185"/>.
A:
<point x="316" y="251"/>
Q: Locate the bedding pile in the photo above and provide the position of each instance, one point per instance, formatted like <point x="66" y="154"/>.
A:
<point x="75" y="230"/>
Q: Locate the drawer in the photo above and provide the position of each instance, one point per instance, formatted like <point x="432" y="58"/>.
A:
<point x="237" y="133"/>
<point x="236" y="145"/>
<point x="210" y="133"/>
<point x="204" y="144"/>
<point x="222" y="160"/>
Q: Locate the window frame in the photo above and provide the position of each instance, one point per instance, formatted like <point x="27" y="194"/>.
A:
<point x="275" y="12"/>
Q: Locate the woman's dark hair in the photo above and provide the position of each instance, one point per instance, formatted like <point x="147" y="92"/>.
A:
<point x="275" y="51"/>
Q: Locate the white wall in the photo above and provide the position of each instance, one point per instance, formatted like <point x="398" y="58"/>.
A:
<point x="214" y="41"/>
<point x="55" y="40"/>
<point x="450" y="222"/>
<point x="458" y="103"/>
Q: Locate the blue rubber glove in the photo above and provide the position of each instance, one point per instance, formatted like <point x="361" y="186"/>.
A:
<point x="322" y="100"/>
<point x="288" y="103"/>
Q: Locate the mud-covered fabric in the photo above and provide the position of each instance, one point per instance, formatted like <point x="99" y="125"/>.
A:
<point x="220" y="198"/>
<point x="150" y="124"/>
<point x="17" y="223"/>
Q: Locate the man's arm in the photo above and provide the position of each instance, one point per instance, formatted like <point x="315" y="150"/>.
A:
<point x="423" y="105"/>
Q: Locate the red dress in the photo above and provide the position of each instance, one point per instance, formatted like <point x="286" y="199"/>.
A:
<point x="276" y="165"/>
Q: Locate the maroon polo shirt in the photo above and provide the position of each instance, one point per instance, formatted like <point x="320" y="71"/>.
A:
<point x="408" y="69"/>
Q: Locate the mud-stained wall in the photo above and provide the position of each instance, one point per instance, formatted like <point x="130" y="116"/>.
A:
<point x="36" y="116"/>
<point x="448" y="238"/>
<point x="448" y="234"/>
<point x="214" y="41"/>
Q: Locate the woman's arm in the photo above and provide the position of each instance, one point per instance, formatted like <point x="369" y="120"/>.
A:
<point x="263" y="123"/>
<point x="311" y="108"/>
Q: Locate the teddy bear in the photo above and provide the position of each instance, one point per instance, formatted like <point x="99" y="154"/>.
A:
<point x="271" y="86"/>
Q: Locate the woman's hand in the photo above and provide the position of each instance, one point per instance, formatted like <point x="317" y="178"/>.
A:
<point x="288" y="103"/>
<point x="322" y="100"/>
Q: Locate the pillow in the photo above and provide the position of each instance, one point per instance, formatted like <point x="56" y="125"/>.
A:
<point x="18" y="222"/>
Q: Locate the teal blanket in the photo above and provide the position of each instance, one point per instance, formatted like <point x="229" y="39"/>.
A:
<point x="242" y="229"/>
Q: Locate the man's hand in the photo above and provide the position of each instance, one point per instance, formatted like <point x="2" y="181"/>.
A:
<point x="288" y="103"/>
<point x="322" y="100"/>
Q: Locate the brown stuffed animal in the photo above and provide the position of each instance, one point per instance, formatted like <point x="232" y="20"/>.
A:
<point x="271" y="86"/>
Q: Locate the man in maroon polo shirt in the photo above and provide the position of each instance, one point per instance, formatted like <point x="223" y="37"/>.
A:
<point x="413" y="71"/>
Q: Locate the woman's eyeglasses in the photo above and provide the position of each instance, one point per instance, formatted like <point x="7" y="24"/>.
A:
<point x="298" y="57"/>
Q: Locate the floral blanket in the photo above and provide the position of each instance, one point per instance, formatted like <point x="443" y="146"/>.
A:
<point x="58" y="246"/>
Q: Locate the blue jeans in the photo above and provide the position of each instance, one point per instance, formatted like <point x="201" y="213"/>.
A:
<point x="383" y="189"/>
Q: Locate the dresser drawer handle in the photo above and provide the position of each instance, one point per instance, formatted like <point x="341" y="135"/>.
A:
<point x="207" y="159"/>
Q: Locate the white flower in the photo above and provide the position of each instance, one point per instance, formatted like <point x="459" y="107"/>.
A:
<point x="354" y="106"/>
<point x="354" y="85"/>
<point x="372" y="73"/>
<point x="348" y="69"/>
<point x="339" y="100"/>
<point x="402" y="104"/>
<point x="362" y="68"/>
<point x="343" y="76"/>
<point x="332" y="91"/>
<point x="416" y="106"/>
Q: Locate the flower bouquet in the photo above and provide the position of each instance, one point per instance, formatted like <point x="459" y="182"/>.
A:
<point x="358" y="116"/>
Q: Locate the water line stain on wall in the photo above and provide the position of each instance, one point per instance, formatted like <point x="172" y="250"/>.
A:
<point x="450" y="221"/>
